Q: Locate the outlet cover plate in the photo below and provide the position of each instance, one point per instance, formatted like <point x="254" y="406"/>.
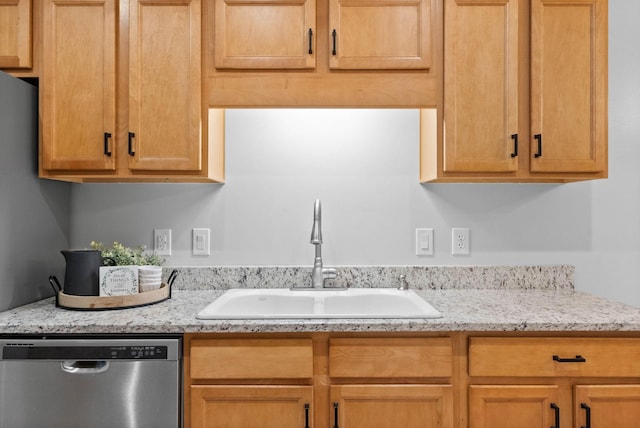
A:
<point x="460" y="242"/>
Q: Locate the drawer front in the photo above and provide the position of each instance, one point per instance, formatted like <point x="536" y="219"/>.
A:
<point x="390" y="358"/>
<point x="554" y="357"/>
<point x="252" y="359"/>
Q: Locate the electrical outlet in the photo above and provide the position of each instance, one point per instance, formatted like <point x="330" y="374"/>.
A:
<point x="200" y="242"/>
<point x="424" y="242"/>
<point x="162" y="242"/>
<point x="460" y="242"/>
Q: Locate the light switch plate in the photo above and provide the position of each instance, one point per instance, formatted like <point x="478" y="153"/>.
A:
<point x="424" y="242"/>
<point x="201" y="245"/>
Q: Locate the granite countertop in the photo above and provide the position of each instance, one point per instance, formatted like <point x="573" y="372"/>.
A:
<point x="463" y="310"/>
<point x="470" y="298"/>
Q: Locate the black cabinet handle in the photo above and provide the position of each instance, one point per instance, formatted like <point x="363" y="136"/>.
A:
<point x="107" y="137"/>
<point x="514" y="137"/>
<point x="538" y="138"/>
<point x="556" y="409"/>
<point x="334" y="36"/>
<point x="587" y="410"/>
<point x="335" y="409"/>
<point x="306" y="415"/>
<point x="131" y="137"/>
<point x="310" y="41"/>
<point x="577" y="359"/>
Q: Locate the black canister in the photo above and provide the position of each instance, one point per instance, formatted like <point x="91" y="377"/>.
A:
<point x="82" y="272"/>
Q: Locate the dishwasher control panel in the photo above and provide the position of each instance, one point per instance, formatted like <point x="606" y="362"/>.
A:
<point x="22" y="352"/>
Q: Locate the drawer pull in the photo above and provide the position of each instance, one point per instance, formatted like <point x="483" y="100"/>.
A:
<point x="107" y="137"/>
<point x="556" y="409"/>
<point x="577" y="359"/>
<point x="514" y="137"/>
<point x="306" y="415"/>
<point x="587" y="410"/>
<point x="335" y="415"/>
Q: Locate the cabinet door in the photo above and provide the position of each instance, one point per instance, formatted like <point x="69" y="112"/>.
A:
<point x="78" y="85"/>
<point x="611" y="406"/>
<point x="392" y="406"/>
<point x="15" y="33"/>
<point x="568" y="85"/>
<point x="255" y="34"/>
<point x="251" y="406"/>
<point x="506" y="406"/>
<point x="481" y="73"/>
<point x="165" y="109"/>
<point x="380" y="34"/>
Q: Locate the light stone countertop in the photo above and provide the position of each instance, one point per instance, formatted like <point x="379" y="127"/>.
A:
<point x="475" y="310"/>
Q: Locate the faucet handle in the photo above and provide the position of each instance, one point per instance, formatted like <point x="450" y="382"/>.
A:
<point x="330" y="273"/>
<point x="404" y="285"/>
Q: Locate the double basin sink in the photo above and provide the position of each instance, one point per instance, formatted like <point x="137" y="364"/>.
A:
<point x="283" y="303"/>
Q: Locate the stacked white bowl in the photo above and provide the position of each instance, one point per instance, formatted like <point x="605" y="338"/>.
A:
<point x="149" y="278"/>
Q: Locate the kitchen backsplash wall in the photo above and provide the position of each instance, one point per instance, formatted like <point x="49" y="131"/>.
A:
<point x="363" y="165"/>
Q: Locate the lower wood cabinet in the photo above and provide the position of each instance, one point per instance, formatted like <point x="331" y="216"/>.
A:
<point x="554" y="382"/>
<point x="412" y="380"/>
<point x="318" y="381"/>
<point x="611" y="406"/>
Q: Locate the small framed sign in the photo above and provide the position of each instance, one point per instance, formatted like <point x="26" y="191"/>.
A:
<point x="118" y="280"/>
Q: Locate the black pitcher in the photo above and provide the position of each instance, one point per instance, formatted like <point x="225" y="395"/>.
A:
<point x="82" y="273"/>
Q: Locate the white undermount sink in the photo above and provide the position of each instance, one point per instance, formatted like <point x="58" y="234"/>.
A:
<point x="284" y="303"/>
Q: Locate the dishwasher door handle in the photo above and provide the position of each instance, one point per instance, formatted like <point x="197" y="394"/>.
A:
<point x="85" y="367"/>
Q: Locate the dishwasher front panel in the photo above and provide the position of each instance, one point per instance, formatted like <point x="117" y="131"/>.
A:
<point x="123" y="388"/>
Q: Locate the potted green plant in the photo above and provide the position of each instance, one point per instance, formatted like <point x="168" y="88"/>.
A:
<point x="136" y="270"/>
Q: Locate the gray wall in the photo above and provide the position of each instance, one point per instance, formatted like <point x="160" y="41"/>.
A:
<point x="364" y="167"/>
<point x="34" y="213"/>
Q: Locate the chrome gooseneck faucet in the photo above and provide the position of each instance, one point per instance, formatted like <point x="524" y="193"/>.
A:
<point x="319" y="273"/>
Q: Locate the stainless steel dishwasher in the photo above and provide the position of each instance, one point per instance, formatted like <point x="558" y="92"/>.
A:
<point x="90" y="383"/>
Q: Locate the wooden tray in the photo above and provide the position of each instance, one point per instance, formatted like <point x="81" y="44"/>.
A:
<point x="100" y="303"/>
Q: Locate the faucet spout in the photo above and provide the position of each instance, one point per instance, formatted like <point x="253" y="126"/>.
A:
<point x="319" y="273"/>
<point x="316" y="232"/>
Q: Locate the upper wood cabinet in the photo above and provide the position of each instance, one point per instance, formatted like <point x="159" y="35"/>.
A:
<point x="322" y="53"/>
<point x="569" y="86"/>
<point x="524" y="94"/>
<point x="380" y="34"/>
<point x="78" y="87"/>
<point x="122" y="93"/>
<point x="15" y="34"/>
<point x="265" y="34"/>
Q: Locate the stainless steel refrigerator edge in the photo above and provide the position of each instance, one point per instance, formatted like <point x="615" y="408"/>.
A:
<point x="34" y="213"/>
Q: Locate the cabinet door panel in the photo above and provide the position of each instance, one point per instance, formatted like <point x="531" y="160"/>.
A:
<point x="380" y="34"/>
<point x="568" y="85"/>
<point x="251" y="406"/>
<point x="15" y="33"/>
<point x="78" y="85"/>
<point x="165" y="110"/>
<point x="392" y="406"/>
<point x="481" y="85"/>
<point x="265" y="34"/>
<point x="611" y="406"/>
<point x="506" y="406"/>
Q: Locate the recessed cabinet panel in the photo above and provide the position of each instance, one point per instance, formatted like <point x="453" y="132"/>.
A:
<point x="165" y="111"/>
<point x="568" y="85"/>
<point x="407" y="406"/>
<point x="509" y="406"/>
<point x="15" y="34"/>
<point x="481" y="86"/>
<point x="272" y="406"/>
<point x="380" y="34"/>
<point x="78" y="83"/>
<point x="257" y="34"/>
